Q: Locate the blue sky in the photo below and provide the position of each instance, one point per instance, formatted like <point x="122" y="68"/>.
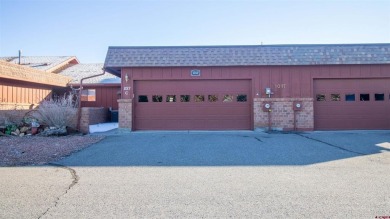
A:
<point x="85" y="28"/>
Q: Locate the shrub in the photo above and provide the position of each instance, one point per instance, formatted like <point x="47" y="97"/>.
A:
<point x="10" y="128"/>
<point x="60" y="112"/>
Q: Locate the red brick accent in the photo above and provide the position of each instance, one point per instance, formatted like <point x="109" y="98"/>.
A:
<point x="91" y="116"/>
<point x="125" y="113"/>
<point x="282" y="114"/>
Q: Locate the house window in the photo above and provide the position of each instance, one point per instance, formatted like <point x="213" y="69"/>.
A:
<point x="88" y="95"/>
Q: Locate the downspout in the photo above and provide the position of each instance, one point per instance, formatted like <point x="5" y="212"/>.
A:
<point x="80" y="92"/>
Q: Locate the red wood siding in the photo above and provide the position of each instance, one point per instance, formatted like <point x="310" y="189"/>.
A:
<point x="285" y="81"/>
<point x="22" y="92"/>
<point x="106" y="96"/>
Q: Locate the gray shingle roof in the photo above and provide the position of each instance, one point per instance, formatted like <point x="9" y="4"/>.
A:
<point x="43" y="63"/>
<point x="247" y="55"/>
<point x="79" y="71"/>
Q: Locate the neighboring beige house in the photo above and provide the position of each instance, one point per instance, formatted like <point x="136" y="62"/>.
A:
<point x="23" y="88"/>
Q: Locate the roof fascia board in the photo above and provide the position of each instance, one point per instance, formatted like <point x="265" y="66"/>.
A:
<point x="28" y="74"/>
<point x="97" y="85"/>
<point x="65" y="62"/>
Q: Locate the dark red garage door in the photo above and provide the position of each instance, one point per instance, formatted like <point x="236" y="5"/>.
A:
<point x="351" y="104"/>
<point x="192" y="105"/>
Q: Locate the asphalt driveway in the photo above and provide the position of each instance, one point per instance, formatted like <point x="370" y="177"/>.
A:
<point x="211" y="175"/>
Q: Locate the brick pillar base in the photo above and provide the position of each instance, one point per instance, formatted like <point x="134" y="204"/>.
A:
<point x="282" y="114"/>
<point x="125" y="113"/>
<point x="92" y="116"/>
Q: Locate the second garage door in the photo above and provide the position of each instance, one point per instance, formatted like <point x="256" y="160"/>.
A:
<point x="351" y="104"/>
<point x="192" y="105"/>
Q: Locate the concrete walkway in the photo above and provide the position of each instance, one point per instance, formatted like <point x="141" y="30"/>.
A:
<point x="209" y="175"/>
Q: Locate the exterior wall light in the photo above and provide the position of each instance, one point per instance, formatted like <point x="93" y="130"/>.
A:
<point x="268" y="92"/>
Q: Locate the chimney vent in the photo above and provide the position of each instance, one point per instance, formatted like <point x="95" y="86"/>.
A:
<point x="20" y="54"/>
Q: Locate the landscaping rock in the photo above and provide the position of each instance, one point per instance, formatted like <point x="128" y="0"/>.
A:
<point x="21" y="134"/>
<point x="57" y="132"/>
<point x="24" y="129"/>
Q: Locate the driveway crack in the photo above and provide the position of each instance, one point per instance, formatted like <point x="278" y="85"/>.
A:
<point x="75" y="180"/>
<point x="259" y="139"/>
<point x="332" y="145"/>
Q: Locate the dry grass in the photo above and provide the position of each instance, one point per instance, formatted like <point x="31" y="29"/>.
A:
<point x="57" y="113"/>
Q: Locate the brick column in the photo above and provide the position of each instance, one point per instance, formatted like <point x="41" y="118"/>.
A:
<point x="125" y="116"/>
<point x="92" y="116"/>
<point x="282" y="114"/>
<point x="84" y="120"/>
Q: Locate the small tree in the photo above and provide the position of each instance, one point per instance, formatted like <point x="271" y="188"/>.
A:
<point x="60" y="112"/>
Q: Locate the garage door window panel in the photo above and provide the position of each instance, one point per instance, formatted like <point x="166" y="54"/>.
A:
<point x="364" y="97"/>
<point x="213" y="98"/>
<point x="350" y="97"/>
<point x="335" y="97"/>
<point x="241" y="98"/>
<point x="320" y="97"/>
<point x="228" y="98"/>
<point x="171" y="98"/>
<point x="379" y="97"/>
<point x="199" y="98"/>
<point x="157" y="98"/>
<point x="143" y="99"/>
<point x="185" y="98"/>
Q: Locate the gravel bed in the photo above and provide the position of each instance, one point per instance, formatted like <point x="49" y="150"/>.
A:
<point x="37" y="150"/>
